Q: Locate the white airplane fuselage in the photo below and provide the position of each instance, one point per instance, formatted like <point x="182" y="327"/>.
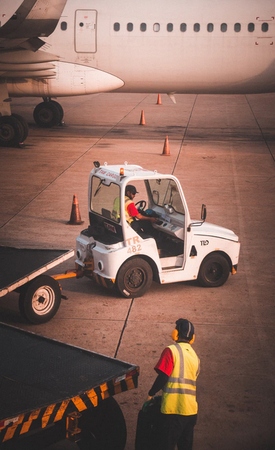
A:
<point x="180" y="46"/>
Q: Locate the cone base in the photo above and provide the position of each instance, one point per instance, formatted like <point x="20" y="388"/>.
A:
<point x="75" y="223"/>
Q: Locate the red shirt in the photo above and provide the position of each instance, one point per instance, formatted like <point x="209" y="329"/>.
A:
<point x="132" y="210"/>
<point x="165" y="363"/>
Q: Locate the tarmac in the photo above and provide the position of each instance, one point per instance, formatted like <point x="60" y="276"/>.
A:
<point x="222" y="149"/>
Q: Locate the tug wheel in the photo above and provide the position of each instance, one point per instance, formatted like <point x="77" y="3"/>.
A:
<point x="214" y="271"/>
<point x="134" y="277"/>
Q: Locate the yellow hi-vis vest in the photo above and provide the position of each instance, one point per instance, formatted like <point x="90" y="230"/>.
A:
<point x="127" y="201"/>
<point x="116" y="209"/>
<point x="179" y="393"/>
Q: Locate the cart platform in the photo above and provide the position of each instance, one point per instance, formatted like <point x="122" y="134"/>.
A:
<point x="42" y="380"/>
<point x="19" y="266"/>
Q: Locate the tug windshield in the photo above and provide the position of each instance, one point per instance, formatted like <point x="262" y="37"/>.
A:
<point x="105" y="199"/>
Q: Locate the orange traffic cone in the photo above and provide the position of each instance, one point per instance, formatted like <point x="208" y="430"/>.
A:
<point x="166" y="149"/>
<point x="159" y="100"/>
<point x="142" y="118"/>
<point x="75" y="218"/>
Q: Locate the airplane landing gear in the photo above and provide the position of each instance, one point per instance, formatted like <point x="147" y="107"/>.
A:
<point x="13" y="130"/>
<point x="48" y="114"/>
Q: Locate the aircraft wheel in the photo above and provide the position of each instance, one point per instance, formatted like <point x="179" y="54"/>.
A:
<point x="214" y="271"/>
<point x="40" y="299"/>
<point x="23" y="125"/>
<point x="11" y="131"/>
<point x="60" y="109"/>
<point x="47" y="114"/>
<point x="134" y="277"/>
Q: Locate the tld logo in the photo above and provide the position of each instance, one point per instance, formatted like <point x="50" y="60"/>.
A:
<point x="205" y="242"/>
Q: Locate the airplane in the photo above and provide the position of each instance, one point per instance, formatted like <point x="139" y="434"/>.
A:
<point x="180" y="46"/>
<point x="22" y="24"/>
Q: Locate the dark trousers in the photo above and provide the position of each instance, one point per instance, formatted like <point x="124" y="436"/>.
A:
<point x="177" y="430"/>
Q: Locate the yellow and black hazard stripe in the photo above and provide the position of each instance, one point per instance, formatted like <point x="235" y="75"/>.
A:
<point x="14" y="427"/>
<point x="105" y="282"/>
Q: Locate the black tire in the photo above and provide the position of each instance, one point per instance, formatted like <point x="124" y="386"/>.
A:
<point x="60" y="109"/>
<point x="65" y="444"/>
<point x="134" y="278"/>
<point x="40" y="299"/>
<point x="24" y="127"/>
<point x="10" y="131"/>
<point x="214" y="271"/>
<point x="103" y="427"/>
<point x="47" y="114"/>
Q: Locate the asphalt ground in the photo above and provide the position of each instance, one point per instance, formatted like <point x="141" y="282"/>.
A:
<point x="222" y="149"/>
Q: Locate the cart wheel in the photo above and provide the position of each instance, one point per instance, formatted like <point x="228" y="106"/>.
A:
<point x="103" y="427"/>
<point x="65" y="444"/>
<point x="134" y="277"/>
<point x="40" y="299"/>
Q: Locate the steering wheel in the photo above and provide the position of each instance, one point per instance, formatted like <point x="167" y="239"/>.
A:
<point x="141" y="205"/>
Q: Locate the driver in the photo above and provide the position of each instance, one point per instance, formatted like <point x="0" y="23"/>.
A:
<point x="141" y="224"/>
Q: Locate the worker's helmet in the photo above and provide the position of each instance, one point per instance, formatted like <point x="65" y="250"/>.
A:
<point x="131" y="189"/>
<point x="185" y="330"/>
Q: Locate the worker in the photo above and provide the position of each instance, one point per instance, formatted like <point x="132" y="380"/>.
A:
<point x="116" y="209"/>
<point x="139" y="222"/>
<point x="177" y="369"/>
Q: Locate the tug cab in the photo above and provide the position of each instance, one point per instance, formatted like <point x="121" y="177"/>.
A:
<point x="177" y="248"/>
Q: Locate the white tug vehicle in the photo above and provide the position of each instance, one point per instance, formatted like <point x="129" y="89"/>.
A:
<point x="176" y="248"/>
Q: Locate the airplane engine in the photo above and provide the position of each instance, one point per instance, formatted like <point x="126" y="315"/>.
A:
<point x="64" y="79"/>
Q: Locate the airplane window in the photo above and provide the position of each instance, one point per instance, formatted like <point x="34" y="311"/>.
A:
<point x="196" y="27"/>
<point x="169" y="27"/>
<point x="224" y="27"/>
<point x="183" y="27"/>
<point x="156" y="27"/>
<point x="63" y="26"/>
<point x="143" y="27"/>
<point x="237" y="27"/>
<point x="210" y="27"/>
<point x="130" y="26"/>
<point x="251" y="27"/>
<point x="116" y="26"/>
<point x="264" y="27"/>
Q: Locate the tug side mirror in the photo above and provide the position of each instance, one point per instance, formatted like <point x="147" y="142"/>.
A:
<point x="203" y="212"/>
